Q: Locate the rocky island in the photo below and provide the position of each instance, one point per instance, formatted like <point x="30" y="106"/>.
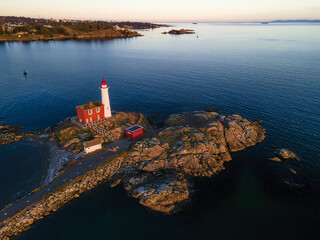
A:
<point x="179" y="32"/>
<point x="156" y="170"/>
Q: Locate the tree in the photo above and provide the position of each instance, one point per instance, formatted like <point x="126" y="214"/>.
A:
<point x="1" y="30"/>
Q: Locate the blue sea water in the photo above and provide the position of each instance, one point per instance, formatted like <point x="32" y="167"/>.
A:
<point x="266" y="72"/>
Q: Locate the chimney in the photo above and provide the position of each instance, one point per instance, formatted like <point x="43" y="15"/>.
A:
<point x="90" y="103"/>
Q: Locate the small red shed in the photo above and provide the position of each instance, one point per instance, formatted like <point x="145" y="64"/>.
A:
<point x="134" y="132"/>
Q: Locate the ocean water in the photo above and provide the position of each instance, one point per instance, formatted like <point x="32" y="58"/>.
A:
<point x="266" y="72"/>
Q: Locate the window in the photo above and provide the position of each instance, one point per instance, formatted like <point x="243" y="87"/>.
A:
<point x="90" y="111"/>
<point x="90" y="119"/>
<point x="97" y="110"/>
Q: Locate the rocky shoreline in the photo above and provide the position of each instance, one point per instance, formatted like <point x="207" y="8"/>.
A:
<point x="10" y="133"/>
<point x="157" y="170"/>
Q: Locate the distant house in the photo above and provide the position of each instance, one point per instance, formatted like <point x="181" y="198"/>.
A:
<point x="93" y="145"/>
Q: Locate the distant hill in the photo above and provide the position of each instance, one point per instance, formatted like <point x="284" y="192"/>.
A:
<point x="296" y="21"/>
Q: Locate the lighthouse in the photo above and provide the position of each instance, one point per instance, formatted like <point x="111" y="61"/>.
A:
<point x="105" y="98"/>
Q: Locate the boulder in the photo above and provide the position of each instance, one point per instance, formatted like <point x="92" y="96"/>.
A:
<point x="286" y="154"/>
<point x="161" y="193"/>
<point x="275" y="159"/>
<point x="68" y="131"/>
<point x="70" y="142"/>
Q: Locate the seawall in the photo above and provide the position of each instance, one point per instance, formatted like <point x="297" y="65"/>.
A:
<point x="51" y="202"/>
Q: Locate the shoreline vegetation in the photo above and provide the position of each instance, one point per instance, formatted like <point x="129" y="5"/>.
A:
<point x="157" y="170"/>
<point x="21" y="29"/>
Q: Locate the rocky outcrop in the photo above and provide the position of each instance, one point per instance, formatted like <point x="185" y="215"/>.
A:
<point x="160" y="193"/>
<point x="275" y="159"/>
<point x="284" y="153"/>
<point x="158" y="170"/>
<point x="179" y="32"/>
<point x="11" y="133"/>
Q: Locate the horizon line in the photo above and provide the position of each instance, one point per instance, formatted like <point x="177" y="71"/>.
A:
<point x="170" y="21"/>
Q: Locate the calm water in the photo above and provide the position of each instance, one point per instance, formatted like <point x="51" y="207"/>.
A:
<point x="267" y="72"/>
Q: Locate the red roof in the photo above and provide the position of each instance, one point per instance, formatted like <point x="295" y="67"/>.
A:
<point x="88" y="106"/>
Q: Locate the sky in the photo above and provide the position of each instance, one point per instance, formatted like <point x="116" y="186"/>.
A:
<point x="164" y="10"/>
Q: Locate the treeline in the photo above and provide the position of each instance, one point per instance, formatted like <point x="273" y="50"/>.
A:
<point x="16" y="20"/>
<point x="37" y="29"/>
<point x="78" y="25"/>
<point x="138" y="25"/>
<point x="87" y="26"/>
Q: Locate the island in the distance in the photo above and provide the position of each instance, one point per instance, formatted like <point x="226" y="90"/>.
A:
<point x="32" y="29"/>
<point x="179" y="32"/>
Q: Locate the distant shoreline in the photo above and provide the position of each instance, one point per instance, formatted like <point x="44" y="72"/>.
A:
<point x="22" y="29"/>
<point x="11" y="38"/>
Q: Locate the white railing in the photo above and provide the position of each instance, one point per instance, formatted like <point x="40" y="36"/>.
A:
<point x="94" y="126"/>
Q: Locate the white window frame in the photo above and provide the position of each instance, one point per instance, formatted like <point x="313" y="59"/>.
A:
<point x="97" y="110"/>
<point x="90" y="112"/>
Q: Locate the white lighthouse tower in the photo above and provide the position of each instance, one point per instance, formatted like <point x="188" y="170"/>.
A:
<point x="105" y="99"/>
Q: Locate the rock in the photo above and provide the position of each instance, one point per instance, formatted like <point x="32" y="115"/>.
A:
<point x="113" y="149"/>
<point x="275" y="159"/>
<point x="117" y="132"/>
<point x="116" y="183"/>
<point x="286" y="154"/>
<point x="69" y="131"/>
<point x="70" y="142"/>
<point x="191" y="144"/>
<point x="241" y="133"/>
<point x="160" y="193"/>
<point x="10" y="133"/>
<point x="292" y="171"/>
<point x="181" y="31"/>
<point x="84" y="135"/>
